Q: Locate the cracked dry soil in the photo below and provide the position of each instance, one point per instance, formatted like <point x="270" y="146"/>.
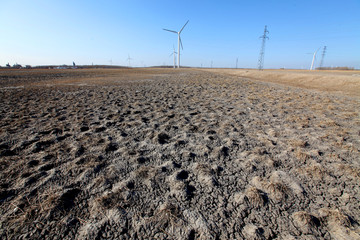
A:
<point x="160" y="154"/>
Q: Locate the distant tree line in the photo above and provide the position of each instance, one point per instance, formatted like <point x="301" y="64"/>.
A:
<point x="16" y="66"/>
<point x="19" y="66"/>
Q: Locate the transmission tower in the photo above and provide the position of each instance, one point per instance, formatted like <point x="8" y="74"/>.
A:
<point x="129" y="59"/>
<point x="322" y="57"/>
<point x="262" y="51"/>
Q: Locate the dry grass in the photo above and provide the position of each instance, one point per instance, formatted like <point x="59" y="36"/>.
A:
<point x="167" y="218"/>
<point x="315" y="170"/>
<point x="302" y="156"/>
<point x="298" y="143"/>
<point x="346" y="82"/>
<point x="278" y="191"/>
<point x="111" y="200"/>
<point x="204" y="169"/>
<point x="340" y="225"/>
<point x="347" y="170"/>
<point x="335" y="216"/>
<point x="328" y="123"/>
<point x="255" y="197"/>
<point x="304" y="219"/>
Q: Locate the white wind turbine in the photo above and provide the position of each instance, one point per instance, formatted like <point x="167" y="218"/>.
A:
<point x="313" y="60"/>
<point x="179" y="40"/>
<point x="174" y="53"/>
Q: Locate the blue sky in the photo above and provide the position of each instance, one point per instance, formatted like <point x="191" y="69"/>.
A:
<point x="42" y="32"/>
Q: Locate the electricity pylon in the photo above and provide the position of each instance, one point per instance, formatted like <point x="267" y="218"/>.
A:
<point x="322" y="57"/>
<point x="262" y="51"/>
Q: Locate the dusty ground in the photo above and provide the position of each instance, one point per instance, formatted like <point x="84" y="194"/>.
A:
<point x="169" y="154"/>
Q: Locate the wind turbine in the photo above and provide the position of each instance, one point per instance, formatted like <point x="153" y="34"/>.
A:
<point x="313" y="60"/>
<point x="174" y="53"/>
<point x="179" y="40"/>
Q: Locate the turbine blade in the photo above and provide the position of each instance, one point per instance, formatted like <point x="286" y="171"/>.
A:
<point x="169" y="30"/>
<point x="183" y="26"/>
<point x="181" y="44"/>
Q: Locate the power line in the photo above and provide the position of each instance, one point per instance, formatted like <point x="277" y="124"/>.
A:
<point x="262" y="51"/>
<point x="300" y="39"/>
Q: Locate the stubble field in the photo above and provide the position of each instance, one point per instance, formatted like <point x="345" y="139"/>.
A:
<point x="179" y="154"/>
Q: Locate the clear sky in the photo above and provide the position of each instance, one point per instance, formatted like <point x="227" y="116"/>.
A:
<point x="42" y="32"/>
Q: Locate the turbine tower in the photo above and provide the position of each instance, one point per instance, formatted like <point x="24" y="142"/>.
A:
<point x="313" y="60"/>
<point x="174" y="53"/>
<point x="322" y="57"/>
<point x="179" y="40"/>
<point x="262" y="51"/>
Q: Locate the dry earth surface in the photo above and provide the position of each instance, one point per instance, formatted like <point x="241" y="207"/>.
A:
<point x="178" y="154"/>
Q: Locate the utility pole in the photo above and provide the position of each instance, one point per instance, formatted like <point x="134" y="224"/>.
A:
<point x="322" y="57"/>
<point x="237" y="62"/>
<point x="262" y="51"/>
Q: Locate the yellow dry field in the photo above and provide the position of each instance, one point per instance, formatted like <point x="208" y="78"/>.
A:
<point x="339" y="81"/>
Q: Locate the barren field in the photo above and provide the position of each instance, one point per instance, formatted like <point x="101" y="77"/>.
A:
<point x="179" y="154"/>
